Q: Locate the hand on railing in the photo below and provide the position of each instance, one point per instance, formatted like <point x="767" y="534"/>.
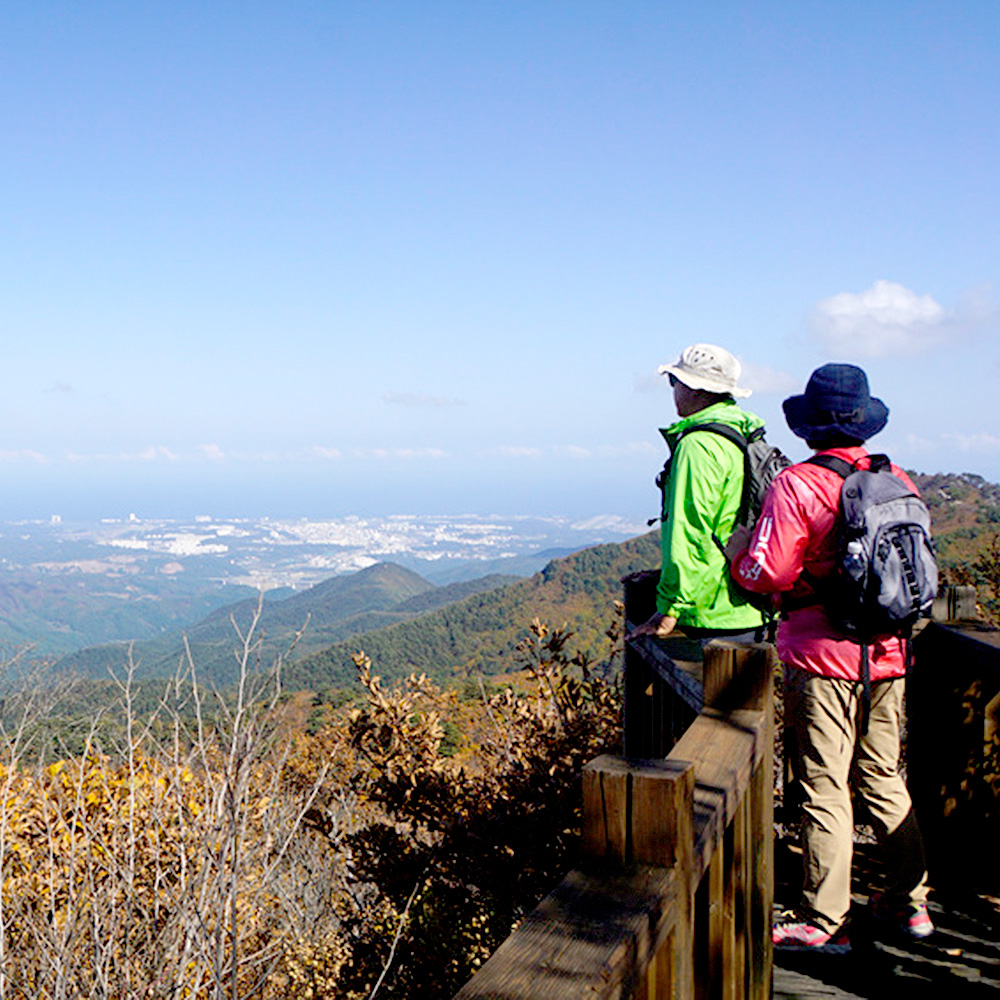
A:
<point x="657" y="625"/>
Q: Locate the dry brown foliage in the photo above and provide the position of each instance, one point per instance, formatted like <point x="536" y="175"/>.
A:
<point x="230" y="858"/>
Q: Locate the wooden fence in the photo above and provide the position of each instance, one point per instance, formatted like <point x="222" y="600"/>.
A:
<point x="673" y="895"/>
<point x="953" y="744"/>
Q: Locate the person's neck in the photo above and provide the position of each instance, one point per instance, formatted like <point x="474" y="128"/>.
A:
<point x="698" y="405"/>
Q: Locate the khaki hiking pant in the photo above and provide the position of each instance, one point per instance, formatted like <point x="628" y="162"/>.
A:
<point x="823" y="728"/>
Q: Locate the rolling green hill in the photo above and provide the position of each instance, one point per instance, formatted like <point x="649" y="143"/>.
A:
<point x="484" y="629"/>
<point x="344" y="605"/>
<point x="54" y="615"/>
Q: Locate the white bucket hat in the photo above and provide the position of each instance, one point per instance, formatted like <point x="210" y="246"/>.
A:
<point x="706" y="366"/>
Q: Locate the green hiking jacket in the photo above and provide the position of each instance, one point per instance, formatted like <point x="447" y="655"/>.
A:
<point x="702" y="496"/>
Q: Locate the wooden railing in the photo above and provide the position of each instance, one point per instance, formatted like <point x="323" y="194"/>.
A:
<point x="953" y="744"/>
<point x="673" y="895"/>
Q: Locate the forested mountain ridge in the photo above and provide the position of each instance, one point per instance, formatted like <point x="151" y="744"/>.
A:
<point x="580" y="589"/>
<point x="965" y="513"/>
<point x="483" y="630"/>
<point x="480" y="623"/>
<point x="56" y="615"/>
<point x="343" y="605"/>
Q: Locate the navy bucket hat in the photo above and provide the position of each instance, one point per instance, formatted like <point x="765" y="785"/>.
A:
<point x="837" y="401"/>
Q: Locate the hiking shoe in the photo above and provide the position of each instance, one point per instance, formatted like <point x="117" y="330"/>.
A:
<point x="911" y="919"/>
<point x="792" y="933"/>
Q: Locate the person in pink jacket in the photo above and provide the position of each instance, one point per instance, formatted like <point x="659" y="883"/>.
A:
<point x="791" y="554"/>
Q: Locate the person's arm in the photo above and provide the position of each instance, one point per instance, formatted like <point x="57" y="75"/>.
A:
<point x="657" y="625"/>
<point x="773" y="559"/>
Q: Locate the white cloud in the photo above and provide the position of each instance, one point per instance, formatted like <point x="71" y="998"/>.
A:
<point x="915" y="444"/>
<point x="384" y="453"/>
<point x="23" y="455"/>
<point x="631" y="448"/>
<point x="419" y="453"/>
<point x="767" y="381"/>
<point x="256" y="456"/>
<point x="213" y="452"/>
<point x="326" y="452"/>
<point x="415" y="399"/>
<point x="515" y="451"/>
<point x="150" y="454"/>
<point x="887" y="319"/>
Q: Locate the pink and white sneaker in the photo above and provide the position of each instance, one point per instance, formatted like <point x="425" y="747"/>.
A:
<point x="911" y="919"/>
<point x="793" y="933"/>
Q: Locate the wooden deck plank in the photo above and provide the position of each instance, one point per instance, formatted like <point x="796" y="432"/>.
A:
<point x="792" y="985"/>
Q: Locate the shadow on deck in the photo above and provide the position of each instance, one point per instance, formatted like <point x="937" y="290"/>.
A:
<point x="961" y="959"/>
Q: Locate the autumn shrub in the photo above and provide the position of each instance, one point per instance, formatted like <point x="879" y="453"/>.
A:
<point x="456" y="848"/>
<point x="212" y="850"/>
<point x="169" y="863"/>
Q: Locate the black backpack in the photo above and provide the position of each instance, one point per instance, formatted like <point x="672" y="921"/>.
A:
<point x="761" y="463"/>
<point x="886" y="576"/>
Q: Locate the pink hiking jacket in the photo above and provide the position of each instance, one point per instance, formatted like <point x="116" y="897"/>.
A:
<point x="797" y="531"/>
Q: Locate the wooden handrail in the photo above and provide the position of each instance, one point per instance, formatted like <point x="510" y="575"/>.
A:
<point x="953" y="744"/>
<point x="673" y="894"/>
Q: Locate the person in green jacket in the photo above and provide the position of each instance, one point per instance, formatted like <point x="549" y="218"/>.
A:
<point x="701" y="501"/>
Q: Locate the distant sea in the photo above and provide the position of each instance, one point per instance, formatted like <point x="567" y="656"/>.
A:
<point x="155" y="491"/>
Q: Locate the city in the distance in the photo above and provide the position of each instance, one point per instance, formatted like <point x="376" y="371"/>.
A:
<point x="65" y="585"/>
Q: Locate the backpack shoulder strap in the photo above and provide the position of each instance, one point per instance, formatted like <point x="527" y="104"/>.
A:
<point x="820" y="587"/>
<point x="831" y="462"/>
<point x="723" y="430"/>
<point x="741" y="441"/>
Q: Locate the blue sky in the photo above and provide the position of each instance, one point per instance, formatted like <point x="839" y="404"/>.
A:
<point x="349" y="257"/>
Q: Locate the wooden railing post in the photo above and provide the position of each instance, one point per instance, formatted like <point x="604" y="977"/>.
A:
<point x="641" y="812"/>
<point x="953" y="751"/>
<point x="760" y="901"/>
<point x="737" y="675"/>
<point x="955" y="603"/>
<point x="742" y="872"/>
<point x="643" y="726"/>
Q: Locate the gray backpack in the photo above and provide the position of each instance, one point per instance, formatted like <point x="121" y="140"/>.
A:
<point x="886" y="576"/>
